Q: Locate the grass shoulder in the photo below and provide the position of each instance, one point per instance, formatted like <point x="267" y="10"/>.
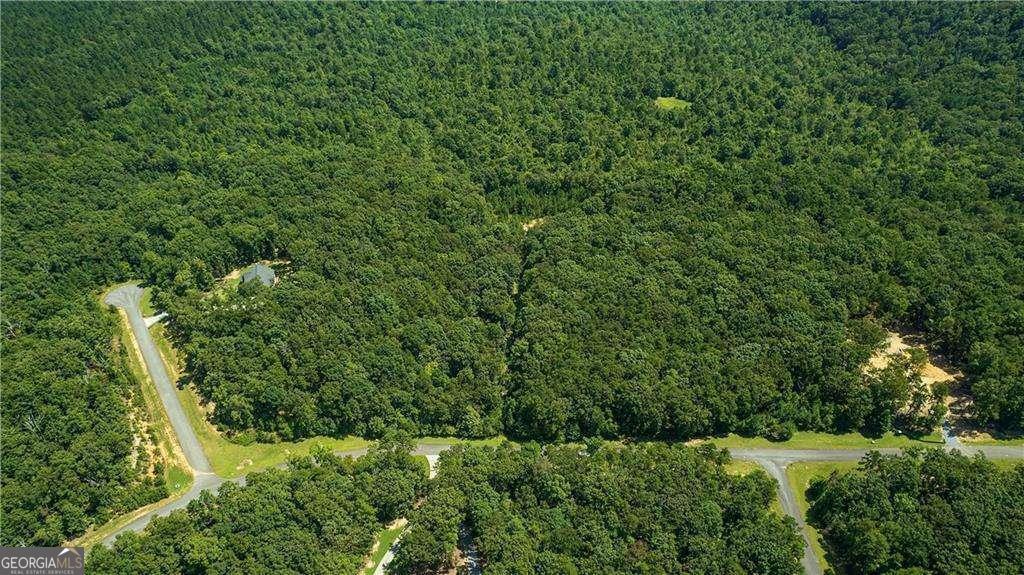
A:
<point x="800" y="475"/>
<point x="988" y="439"/>
<point x="384" y="542"/>
<point x="483" y="442"/>
<point x="817" y="440"/>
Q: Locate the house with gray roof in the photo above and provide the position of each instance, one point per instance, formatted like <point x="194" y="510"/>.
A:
<point x="259" y="272"/>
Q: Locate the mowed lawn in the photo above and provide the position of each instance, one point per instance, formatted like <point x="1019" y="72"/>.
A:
<point x="816" y="440"/>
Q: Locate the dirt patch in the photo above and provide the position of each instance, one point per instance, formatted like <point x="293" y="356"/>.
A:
<point x="936" y="369"/>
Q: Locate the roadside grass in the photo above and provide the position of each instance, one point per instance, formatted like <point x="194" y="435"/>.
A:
<point x="741" y="467"/>
<point x="384" y="542"/>
<point x="800" y="475"/>
<point x="146" y="303"/>
<point x="816" y="440"/>
<point x="231" y="459"/>
<point x="176" y="477"/>
<point x="94" y="536"/>
<point x="670" y="103"/>
<point x="485" y="442"/>
<point x="987" y="439"/>
<point x="1007" y="464"/>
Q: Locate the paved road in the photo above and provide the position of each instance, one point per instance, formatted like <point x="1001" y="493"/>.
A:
<point x="212" y="482"/>
<point x="127" y="297"/>
<point x="774" y="461"/>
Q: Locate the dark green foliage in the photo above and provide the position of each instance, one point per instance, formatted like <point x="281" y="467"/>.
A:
<point x="66" y="437"/>
<point x="931" y="512"/>
<point x="642" y="508"/>
<point x="320" y="515"/>
<point x="721" y="266"/>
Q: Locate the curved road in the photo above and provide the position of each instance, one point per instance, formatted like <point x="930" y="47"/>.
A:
<point x="774" y="461"/>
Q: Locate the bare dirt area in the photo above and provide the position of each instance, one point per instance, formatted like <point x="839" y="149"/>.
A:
<point x="936" y="369"/>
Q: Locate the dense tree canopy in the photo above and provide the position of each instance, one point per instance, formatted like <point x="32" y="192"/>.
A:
<point x="923" y="513"/>
<point x="320" y="515"/>
<point x="718" y="264"/>
<point x="645" y="508"/>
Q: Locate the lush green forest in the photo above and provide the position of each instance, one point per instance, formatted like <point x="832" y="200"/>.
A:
<point x="922" y="513"/>
<point x="720" y="264"/>
<point x="321" y="515"/>
<point x="646" y="508"/>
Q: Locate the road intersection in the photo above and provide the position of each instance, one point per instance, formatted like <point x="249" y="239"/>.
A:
<point x="774" y="461"/>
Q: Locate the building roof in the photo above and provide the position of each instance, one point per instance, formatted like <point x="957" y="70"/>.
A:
<point x="259" y="272"/>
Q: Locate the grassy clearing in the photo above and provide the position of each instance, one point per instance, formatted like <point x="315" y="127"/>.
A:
<point x="384" y="542"/>
<point x="815" y="440"/>
<point x="670" y="103"/>
<point x="800" y="475"/>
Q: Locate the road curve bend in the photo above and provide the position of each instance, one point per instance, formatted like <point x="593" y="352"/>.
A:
<point x="774" y="461"/>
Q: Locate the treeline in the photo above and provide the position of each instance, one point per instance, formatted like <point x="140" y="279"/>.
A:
<point x="922" y="513"/>
<point x="321" y="514"/>
<point x="602" y="509"/>
<point x="720" y="266"/>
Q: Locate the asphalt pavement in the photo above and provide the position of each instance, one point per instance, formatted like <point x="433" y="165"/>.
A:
<point x="127" y="297"/>
<point x="774" y="461"/>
